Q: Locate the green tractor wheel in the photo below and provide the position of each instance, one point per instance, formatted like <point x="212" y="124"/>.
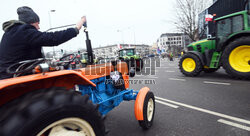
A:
<point x="236" y="58"/>
<point x="190" y="65"/>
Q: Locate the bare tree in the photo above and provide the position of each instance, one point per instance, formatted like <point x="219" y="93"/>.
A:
<point x="187" y="16"/>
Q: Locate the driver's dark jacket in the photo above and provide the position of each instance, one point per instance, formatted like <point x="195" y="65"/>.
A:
<point x="24" y="42"/>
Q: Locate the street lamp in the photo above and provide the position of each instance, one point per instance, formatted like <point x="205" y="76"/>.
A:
<point x="49" y="12"/>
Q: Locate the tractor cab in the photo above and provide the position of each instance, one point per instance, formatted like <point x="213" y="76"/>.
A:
<point x="132" y="59"/>
<point x="127" y="53"/>
<point x="84" y="57"/>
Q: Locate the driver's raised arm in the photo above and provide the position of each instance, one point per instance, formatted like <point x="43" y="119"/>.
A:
<point x="37" y="38"/>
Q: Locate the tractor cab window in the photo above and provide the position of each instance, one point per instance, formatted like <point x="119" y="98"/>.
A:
<point x="237" y="23"/>
<point x="84" y="56"/>
<point x="129" y="52"/>
<point x="224" y="27"/>
<point x="228" y="26"/>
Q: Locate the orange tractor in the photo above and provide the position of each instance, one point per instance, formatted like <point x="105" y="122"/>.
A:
<point x="46" y="99"/>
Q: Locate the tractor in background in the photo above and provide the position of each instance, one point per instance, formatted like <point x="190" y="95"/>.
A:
<point x="84" y="59"/>
<point x="129" y="56"/>
<point x="230" y="48"/>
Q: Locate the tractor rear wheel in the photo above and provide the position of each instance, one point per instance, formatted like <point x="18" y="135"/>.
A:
<point x="190" y="65"/>
<point x="52" y="112"/>
<point x="236" y="58"/>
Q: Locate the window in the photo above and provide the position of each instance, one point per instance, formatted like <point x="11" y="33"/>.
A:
<point x="229" y="25"/>
<point x="237" y="23"/>
<point x="224" y="27"/>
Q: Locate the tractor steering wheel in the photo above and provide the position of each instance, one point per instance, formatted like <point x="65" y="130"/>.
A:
<point x="70" y="58"/>
<point x="67" y="59"/>
<point x="24" y="67"/>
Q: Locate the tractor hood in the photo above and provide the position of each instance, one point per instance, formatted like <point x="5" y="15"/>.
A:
<point x="202" y="45"/>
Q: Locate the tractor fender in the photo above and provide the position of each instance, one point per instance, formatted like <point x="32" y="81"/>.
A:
<point x="198" y="54"/>
<point x="14" y="87"/>
<point x="138" y="107"/>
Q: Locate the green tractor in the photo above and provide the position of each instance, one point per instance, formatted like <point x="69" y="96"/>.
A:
<point x="230" y="48"/>
<point x="133" y="60"/>
<point x="84" y="59"/>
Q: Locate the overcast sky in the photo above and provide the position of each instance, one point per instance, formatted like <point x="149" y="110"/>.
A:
<point x="109" y="21"/>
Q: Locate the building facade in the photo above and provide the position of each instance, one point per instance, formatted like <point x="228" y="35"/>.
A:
<point x="173" y="39"/>
<point x="111" y="51"/>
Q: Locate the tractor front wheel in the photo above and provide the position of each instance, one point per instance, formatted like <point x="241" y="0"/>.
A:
<point x="190" y="65"/>
<point x="148" y="111"/>
<point x="236" y="58"/>
<point x="52" y="112"/>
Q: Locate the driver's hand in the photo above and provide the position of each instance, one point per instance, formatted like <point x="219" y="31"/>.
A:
<point x="80" y="22"/>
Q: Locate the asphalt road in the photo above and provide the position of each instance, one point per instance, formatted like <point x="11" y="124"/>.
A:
<point x="207" y="105"/>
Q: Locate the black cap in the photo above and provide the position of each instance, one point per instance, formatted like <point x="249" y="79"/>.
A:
<point x="27" y="15"/>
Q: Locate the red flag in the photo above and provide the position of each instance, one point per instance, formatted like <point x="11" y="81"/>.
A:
<point x="209" y="17"/>
<point x="118" y="46"/>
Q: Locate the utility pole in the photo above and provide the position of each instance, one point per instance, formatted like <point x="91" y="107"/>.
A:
<point x="49" y="12"/>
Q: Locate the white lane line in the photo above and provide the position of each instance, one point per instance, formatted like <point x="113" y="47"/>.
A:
<point x="151" y="76"/>
<point x="167" y="104"/>
<point x="168" y="71"/>
<point x="155" y="70"/>
<point x="162" y="67"/>
<point x="234" y="124"/>
<point x="216" y="83"/>
<point x="177" y="79"/>
<point x="206" y="111"/>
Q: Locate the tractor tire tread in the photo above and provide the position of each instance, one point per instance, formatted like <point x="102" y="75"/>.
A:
<point x="30" y="109"/>
<point x="225" y="58"/>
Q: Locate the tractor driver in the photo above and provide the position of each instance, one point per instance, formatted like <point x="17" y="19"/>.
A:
<point x="22" y="40"/>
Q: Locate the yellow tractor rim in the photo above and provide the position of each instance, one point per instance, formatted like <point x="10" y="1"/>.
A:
<point x="239" y="58"/>
<point x="188" y="64"/>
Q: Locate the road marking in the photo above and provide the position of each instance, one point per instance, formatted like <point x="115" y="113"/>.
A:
<point x="216" y="83"/>
<point x="177" y="79"/>
<point x="167" y="104"/>
<point x="169" y="71"/>
<point x="234" y="124"/>
<point x="151" y="76"/>
<point x="155" y="70"/>
<point x="162" y="67"/>
<point x="206" y="111"/>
